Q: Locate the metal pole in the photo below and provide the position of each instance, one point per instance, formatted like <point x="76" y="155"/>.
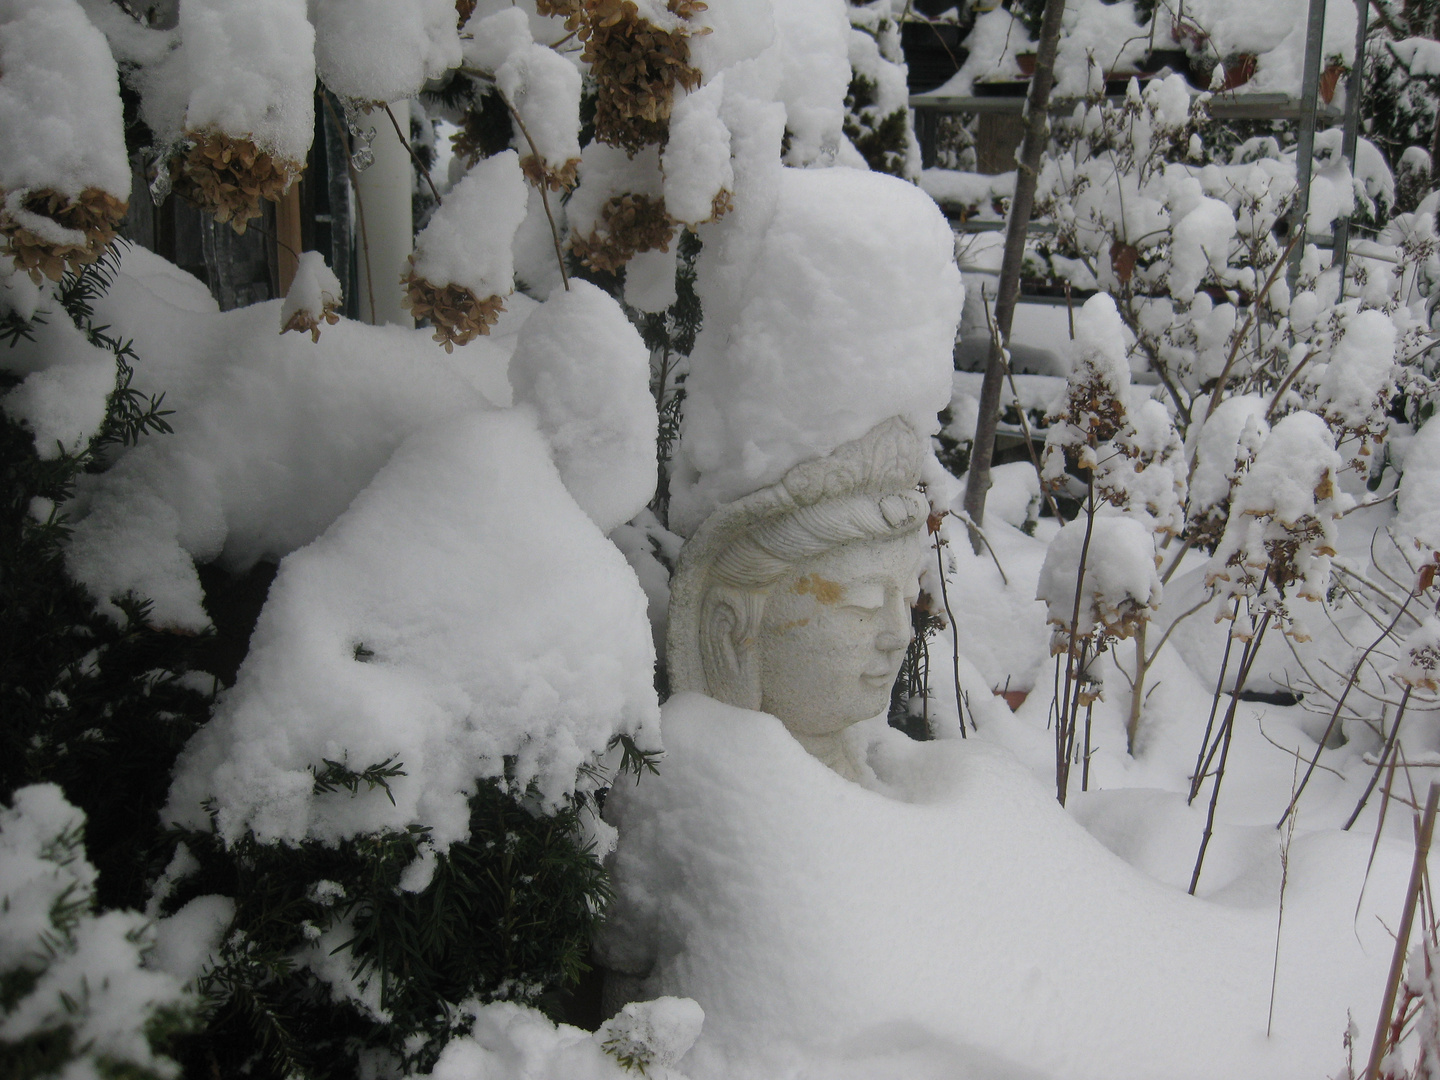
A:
<point x="1354" y="89"/>
<point x="1305" y="148"/>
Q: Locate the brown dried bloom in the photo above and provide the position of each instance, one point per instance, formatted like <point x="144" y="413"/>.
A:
<point x="229" y="176"/>
<point x="458" y="315"/>
<point x="562" y="9"/>
<point x="636" y="66"/>
<point x="463" y="10"/>
<point x="306" y="321"/>
<point x="629" y="224"/>
<point x="561" y="179"/>
<point x="720" y="205"/>
<point x="95" y="215"/>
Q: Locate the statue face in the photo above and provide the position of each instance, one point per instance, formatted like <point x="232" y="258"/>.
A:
<point x="834" y="632"/>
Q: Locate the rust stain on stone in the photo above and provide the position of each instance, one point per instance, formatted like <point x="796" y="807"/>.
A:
<point x="824" y="590"/>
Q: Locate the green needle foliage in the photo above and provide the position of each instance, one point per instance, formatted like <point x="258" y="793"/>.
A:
<point x="506" y="915"/>
<point x="98" y="708"/>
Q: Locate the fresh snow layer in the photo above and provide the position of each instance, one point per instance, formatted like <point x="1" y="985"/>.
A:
<point x="696" y="159"/>
<point x="512" y="1042"/>
<point x="60" y="114"/>
<point x="581" y="363"/>
<point x="274" y="434"/>
<point x="250" y="71"/>
<point x="823" y="317"/>
<point x="377" y="50"/>
<point x="949" y="919"/>
<point x="462" y="610"/>
<point x="469" y="239"/>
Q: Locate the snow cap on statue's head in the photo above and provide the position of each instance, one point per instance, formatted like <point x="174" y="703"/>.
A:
<point x="826" y="313"/>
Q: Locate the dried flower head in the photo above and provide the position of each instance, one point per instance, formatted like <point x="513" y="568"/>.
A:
<point x="636" y="64"/>
<point x="628" y="225"/>
<point x="46" y="232"/>
<point x="562" y="179"/>
<point x="458" y="315"/>
<point x="228" y="177"/>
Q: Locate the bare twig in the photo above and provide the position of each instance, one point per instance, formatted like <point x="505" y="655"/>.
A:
<point x="1385" y="753"/>
<point x="424" y="170"/>
<point x="1280" y="915"/>
<point x="544" y="198"/>
<point x="1402" y="933"/>
<point x="954" y="636"/>
<point x="1252" y="650"/>
<point x="1335" y="716"/>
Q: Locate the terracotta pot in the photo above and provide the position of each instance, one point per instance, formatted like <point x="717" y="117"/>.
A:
<point x="1239" y="70"/>
<point x="1026" y="60"/>
<point x="1329" y="80"/>
<point x="1013" y="698"/>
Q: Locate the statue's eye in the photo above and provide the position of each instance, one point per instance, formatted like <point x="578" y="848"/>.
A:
<point x="867" y="596"/>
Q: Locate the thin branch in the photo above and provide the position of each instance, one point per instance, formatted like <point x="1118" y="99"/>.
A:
<point x="1335" y="716"/>
<point x="544" y="197"/>
<point x="424" y="171"/>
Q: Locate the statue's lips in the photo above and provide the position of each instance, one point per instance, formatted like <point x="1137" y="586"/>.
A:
<point x="882" y="678"/>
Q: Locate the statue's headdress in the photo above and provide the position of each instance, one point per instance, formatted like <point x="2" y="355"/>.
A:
<point x="864" y="490"/>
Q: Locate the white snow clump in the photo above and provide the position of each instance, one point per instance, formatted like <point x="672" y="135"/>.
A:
<point x="823" y="317"/>
<point x="583" y="366"/>
<point x="509" y="629"/>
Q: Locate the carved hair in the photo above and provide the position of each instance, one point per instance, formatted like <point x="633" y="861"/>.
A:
<point x="862" y="493"/>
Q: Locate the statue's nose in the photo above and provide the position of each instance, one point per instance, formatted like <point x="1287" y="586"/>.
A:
<point x="896" y="635"/>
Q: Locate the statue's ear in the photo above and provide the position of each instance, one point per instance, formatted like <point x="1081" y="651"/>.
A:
<point x="729" y="621"/>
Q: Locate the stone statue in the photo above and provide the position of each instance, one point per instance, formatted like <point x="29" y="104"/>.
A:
<point x="795" y="600"/>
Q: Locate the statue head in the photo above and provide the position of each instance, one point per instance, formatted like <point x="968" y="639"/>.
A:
<point x="795" y="600"/>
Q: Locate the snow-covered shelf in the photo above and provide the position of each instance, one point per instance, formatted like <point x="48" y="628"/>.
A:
<point x="1258" y="105"/>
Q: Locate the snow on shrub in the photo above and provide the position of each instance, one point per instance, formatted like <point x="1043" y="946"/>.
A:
<point x="1133" y="458"/>
<point x="379" y="51"/>
<point x="619" y="210"/>
<point x="1418" y="501"/>
<point x="544" y="90"/>
<point x="463" y="618"/>
<point x="313" y="297"/>
<point x="75" y="997"/>
<point x="1227" y="445"/>
<point x="1354" y="389"/>
<point x="582" y="365"/>
<point x="1281" y="530"/>
<point x="870" y="259"/>
<point x="463" y="266"/>
<point x="265" y="453"/>
<point x="696" y="159"/>
<point x="1419" y="663"/>
<point x="64" y="174"/>
<point x="250" y="116"/>
<point x="639" y="54"/>
<point x="512" y="1042"/>
<point x="1120" y="589"/>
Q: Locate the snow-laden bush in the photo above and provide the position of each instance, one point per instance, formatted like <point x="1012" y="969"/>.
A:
<point x="75" y="997"/>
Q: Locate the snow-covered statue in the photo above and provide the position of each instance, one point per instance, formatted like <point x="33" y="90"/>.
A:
<point x="795" y="600"/>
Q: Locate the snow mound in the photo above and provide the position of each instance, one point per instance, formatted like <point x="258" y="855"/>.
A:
<point x="949" y="919"/>
<point x="826" y="316"/>
<point x="511" y="629"/>
<point x="583" y="366"/>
